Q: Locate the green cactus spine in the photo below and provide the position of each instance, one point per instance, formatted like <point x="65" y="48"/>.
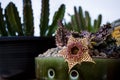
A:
<point x="28" y="18"/>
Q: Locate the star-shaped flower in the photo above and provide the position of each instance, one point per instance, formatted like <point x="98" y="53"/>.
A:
<point x="76" y="51"/>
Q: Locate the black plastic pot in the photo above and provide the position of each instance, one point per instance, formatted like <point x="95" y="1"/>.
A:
<point x="17" y="55"/>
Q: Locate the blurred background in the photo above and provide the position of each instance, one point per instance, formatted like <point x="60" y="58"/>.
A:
<point x="109" y="9"/>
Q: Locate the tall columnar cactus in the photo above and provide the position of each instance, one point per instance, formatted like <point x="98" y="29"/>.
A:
<point x="13" y="20"/>
<point x="28" y="18"/>
<point x="97" y="23"/>
<point x="45" y="28"/>
<point x="76" y="20"/>
<point x="88" y="21"/>
<point x="74" y="24"/>
<point x="82" y="21"/>
<point x="44" y="20"/>
<point x="57" y="16"/>
<point x="81" y="18"/>
<point x="11" y="25"/>
<point x="3" y="31"/>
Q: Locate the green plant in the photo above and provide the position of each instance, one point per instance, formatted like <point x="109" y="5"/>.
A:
<point x="3" y="31"/>
<point x="82" y="21"/>
<point x="45" y="28"/>
<point x="28" y="18"/>
<point x="11" y="25"/>
<point x="13" y="22"/>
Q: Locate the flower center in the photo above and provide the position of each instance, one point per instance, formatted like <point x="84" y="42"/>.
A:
<point x="74" y="50"/>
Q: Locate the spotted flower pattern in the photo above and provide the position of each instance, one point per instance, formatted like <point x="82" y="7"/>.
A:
<point x="76" y="51"/>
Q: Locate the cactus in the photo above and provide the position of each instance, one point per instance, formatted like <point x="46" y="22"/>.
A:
<point x="13" y="20"/>
<point x="81" y="17"/>
<point x="12" y="26"/>
<point x="44" y="20"/>
<point x="97" y="23"/>
<point x="72" y="55"/>
<point x="45" y="28"/>
<point x="28" y="24"/>
<point x="88" y="21"/>
<point x="80" y="21"/>
<point x="74" y="24"/>
<point x="57" y="16"/>
<point x="3" y="31"/>
<point x="77" y="20"/>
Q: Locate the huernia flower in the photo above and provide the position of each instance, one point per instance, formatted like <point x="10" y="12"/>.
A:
<point x="76" y="51"/>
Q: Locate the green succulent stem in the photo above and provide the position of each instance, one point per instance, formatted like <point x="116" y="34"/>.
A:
<point x="3" y="31"/>
<point x="28" y="18"/>
<point x="81" y="18"/>
<point x="13" y="20"/>
<point x="98" y="23"/>
<point x="44" y="20"/>
<point x="77" y="20"/>
<point x="88" y="21"/>
<point x="10" y="22"/>
<point x="82" y="21"/>
<point x="57" y="16"/>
